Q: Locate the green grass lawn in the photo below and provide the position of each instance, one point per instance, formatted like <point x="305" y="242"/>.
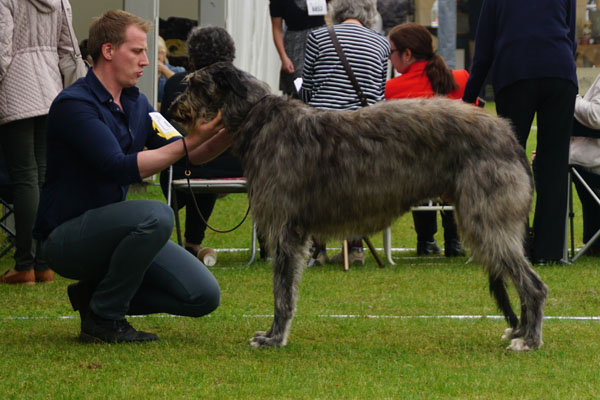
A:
<point x="370" y="333"/>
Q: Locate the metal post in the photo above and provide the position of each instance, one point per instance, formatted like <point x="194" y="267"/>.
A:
<point x="149" y="10"/>
<point x="447" y="31"/>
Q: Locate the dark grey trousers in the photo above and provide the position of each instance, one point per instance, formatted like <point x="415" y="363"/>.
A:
<point x="23" y="144"/>
<point x="125" y="248"/>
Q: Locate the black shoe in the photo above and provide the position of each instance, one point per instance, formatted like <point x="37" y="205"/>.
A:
<point x="425" y="248"/>
<point x="541" y="262"/>
<point x="97" y="329"/>
<point x="453" y="248"/>
<point x="80" y="294"/>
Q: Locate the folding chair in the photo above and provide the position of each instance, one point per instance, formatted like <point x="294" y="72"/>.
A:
<point x="214" y="186"/>
<point x="7" y="226"/>
<point x="575" y="174"/>
<point x="7" y="217"/>
<point x="387" y="235"/>
<point x="371" y="248"/>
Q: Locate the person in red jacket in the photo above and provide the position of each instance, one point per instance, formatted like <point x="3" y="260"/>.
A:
<point x="424" y="74"/>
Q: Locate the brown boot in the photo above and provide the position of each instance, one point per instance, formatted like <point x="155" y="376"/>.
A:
<point x="13" y="276"/>
<point x="44" y="276"/>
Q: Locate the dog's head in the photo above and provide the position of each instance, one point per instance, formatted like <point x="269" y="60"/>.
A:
<point x="220" y="86"/>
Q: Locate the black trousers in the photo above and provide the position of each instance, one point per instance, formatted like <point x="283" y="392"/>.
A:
<point x="426" y="225"/>
<point x="224" y="166"/>
<point x="553" y="100"/>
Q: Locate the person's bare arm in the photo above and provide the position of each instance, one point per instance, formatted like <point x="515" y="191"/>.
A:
<point x="277" y="26"/>
<point x="210" y="149"/>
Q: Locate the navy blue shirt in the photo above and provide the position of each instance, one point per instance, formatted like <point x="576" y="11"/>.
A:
<point x="92" y="150"/>
<point x="523" y="39"/>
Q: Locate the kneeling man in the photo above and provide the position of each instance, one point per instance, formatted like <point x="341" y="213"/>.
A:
<point x="118" y="250"/>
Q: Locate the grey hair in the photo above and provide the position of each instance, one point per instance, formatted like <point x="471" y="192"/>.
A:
<point x="363" y="10"/>
<point x="208" y="45"/>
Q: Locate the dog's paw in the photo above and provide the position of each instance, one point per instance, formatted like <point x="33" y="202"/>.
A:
<point x="519" y="344"/>
<point x="508" y="334"/>
<point x="261" y="339"/>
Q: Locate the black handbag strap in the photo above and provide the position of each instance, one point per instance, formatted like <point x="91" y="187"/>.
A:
<point x="346" y="64"/>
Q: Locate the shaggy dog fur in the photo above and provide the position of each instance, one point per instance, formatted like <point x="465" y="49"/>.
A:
<point x="307" y="170"/>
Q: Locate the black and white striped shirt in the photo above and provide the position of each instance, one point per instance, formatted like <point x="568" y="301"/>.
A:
<point x="325" y="83"/>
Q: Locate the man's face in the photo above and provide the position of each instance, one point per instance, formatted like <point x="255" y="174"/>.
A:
<point x="129" y="59"/>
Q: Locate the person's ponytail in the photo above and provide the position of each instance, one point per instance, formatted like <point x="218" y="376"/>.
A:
<point x="440" y="76"/>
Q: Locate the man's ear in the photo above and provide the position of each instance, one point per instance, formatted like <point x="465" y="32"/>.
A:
<point x="107" y="51"/>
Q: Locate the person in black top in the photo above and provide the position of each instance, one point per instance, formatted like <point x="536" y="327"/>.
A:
<point x="533" y="74"/>
<point x="291" y="44"/>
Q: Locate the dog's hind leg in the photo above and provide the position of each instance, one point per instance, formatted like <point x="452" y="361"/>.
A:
<point x="532" y="292"/>
<point x="288" y="263"/>
<point x="491" y="221"/>
<point x="503" y="256"/>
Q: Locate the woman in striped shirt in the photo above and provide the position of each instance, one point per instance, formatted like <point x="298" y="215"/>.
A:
<point x="326" y="84"/>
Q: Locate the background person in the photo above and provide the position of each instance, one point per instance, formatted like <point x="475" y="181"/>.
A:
<point x="327" y="85"/>
<point x="165" y="70"/>
<point x="29" y="80"/>
<point x="291" y="43"/>
<point x="206" y="45"/>
<point x="530" y="47"/>
<point x="394" y="12"/>
<point x="424" y="74"/>
<point x="118" y="250"/>
<point x="585" y="154"/>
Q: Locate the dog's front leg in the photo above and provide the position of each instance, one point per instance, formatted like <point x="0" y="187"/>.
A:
<point x="287" y="271"/>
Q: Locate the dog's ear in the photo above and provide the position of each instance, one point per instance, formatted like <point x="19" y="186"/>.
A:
<point x="226" y="76"/>
<point x="198" y="80"/>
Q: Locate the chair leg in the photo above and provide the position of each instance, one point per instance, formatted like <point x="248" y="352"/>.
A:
<point x="387" y="244"/>
<point x="571" y="215"/>
<point x="177" y="223"/>
<point x="597" y="200"/>
<point x="345" y="250"/>
<point x="373" y="251"/>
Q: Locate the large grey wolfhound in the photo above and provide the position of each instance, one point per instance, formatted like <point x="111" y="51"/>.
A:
<point x="307" y="170"/>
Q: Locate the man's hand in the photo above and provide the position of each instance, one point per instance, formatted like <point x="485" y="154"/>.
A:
<point x="202" y="131"/>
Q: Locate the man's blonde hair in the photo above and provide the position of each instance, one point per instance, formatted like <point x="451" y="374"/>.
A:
<point x="110" y="28"/>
